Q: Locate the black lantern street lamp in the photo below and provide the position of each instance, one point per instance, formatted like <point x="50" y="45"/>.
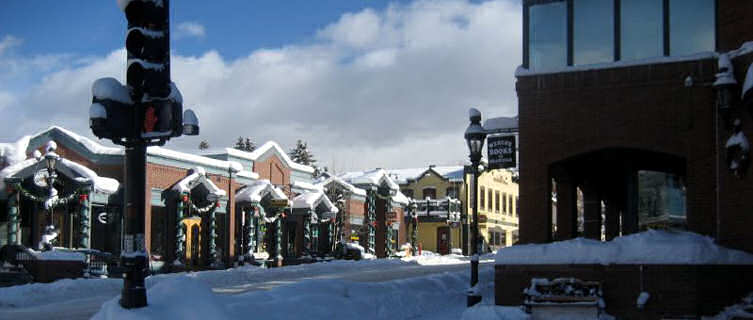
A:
<point x="725" y="86"/>
<point x="475" y="137"/>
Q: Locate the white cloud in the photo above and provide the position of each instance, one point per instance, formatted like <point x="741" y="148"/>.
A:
<point x="395" y="95"/>
<point x="189" y="29"/>
<point x="9" y="42"/>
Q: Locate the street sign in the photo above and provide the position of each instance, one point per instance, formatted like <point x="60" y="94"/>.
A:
<point x="278" y="203"/>
<point x="501" y="152"/>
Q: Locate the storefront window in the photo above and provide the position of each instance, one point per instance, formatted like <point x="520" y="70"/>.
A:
<point x="496" y="201"/>
<point x="593" y="31"/>
<point x="547" y="35"/>
<point x="158" y="233"/>
<point x="642" y="29"/>
<point x="691" y="26"/>
<point x="482" y="198"/>
<point x="661" y="201"/>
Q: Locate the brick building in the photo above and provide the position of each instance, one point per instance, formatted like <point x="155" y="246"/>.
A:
<point x="619" y="113"/>
<point x="191" y="216"/>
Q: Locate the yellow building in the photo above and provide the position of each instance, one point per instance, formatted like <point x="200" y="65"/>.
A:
<point x="438" y="229"/>
<point x="497" y="207"/>
<point x="436" y="191"/>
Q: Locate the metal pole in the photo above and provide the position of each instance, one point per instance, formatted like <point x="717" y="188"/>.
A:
<point x="134" y="259"/>
<point x="473" y="295"/>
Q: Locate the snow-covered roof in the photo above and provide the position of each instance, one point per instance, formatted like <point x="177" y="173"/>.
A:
<point x="312" y="199"/>
<point x="14" y="152"/>
<point x="304" y="185"/>
<point x="501" y="124"/>
<point x="259" y="152"/>
<point x="649" y="247"/>
<point x="400" y="198"/>
<point x="374" y="177"/>
<point x="97" y="148"/>
<point x="83" y="174"/>
<point x="197" y="159"/>
<point x="403" y="176"/>
<point x="198" y="176"/>
<point x="257" y="190"/>
<point x="353" y="189"/>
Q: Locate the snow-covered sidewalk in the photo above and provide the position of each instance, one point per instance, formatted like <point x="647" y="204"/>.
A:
<point x="255" y="283"/>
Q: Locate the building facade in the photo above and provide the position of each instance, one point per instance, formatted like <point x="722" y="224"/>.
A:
<point x="192" y="217"/>
<point x="639" y="111"/>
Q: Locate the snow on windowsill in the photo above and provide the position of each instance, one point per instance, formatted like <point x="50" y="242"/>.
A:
<point x="650" y="247"/>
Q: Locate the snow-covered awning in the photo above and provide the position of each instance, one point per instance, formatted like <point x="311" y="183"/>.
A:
<point x="197" y="177"/>
<point x="400" y="198"/>
<point x="75" y="171"/>
<point x="313" y="200"/>
<point x="327" y="183"/>
<point x="257" y="190"/>
<point x="376" y="177"/>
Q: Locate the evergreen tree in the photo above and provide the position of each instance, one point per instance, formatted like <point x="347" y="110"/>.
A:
<point x="203" y="145"/>
<point x="249" y="145"/>
<point x="302" y="155"/>
<point x="239" y="144"/>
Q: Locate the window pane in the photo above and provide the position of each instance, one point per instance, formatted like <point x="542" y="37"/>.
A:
<point x="547" y="35"/>
<point x="593" y="31"/>
<point x="691" y="26"/>
<point x="641" y="29"/>
<point x="661" y="201"/>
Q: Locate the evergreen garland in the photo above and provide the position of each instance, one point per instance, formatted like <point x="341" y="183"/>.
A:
<point x="58" y="202"/>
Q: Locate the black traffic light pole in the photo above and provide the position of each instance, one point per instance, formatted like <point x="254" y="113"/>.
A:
<point x="148" y="111"/>
<point x="135" y="258"/>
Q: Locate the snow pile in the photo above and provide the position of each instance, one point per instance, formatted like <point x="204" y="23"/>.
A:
<point x="15" y="152"/>
<point x="650" y="247"/>
<point x="37" y="294"/>
<point x="491" y="312"/>
<point x="170" y="299"/>
<point x="100" y="184"/>
<point x="58" y="255"/>
<point x="742" y="310"/>
<point x="428" y="258"/>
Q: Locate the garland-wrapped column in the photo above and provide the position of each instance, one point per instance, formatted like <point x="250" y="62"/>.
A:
<point x="330" y="234"/>
<point x="180" y="236"/>
<point x="212" y="237"/>
<point x="278" y="239"/>
<point x="388" y="228"/>
<point x="307" y="233"/>
<point x="371" y="215"/>
<point x="13" y="218"/>
<point x="84" y="211"/>
<point x="414" y="234"/>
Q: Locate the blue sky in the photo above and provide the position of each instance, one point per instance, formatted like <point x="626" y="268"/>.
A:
<point x="366" y="83"/>
<point x="233" y="28"/>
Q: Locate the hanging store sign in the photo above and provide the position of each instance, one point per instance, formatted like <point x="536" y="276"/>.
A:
<point x="278" y="203"/>
<point x="501" y="152"/>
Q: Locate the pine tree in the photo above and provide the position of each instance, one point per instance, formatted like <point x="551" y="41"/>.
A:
<point x="203" y="145"/>
<point x="302" y="155"/>
<point x="249" y="145"/>
<point x="239" y="144"/>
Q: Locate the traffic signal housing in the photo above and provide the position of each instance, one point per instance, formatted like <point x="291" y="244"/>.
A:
<point x="158" y="103"/>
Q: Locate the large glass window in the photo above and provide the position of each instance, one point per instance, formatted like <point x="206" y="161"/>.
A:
<point x="691" y="26"/>
<point x="547" y="35"/>
<point x="661" y="200"/>
<point x="593" y="31"/>
<point x="642" y="29"/>
<point x="496" y="201"/>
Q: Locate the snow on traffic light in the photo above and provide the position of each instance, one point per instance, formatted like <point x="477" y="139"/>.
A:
<point x="148" y="69"/>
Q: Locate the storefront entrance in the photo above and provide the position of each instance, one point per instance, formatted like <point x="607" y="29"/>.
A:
<point x="193" y="242"/>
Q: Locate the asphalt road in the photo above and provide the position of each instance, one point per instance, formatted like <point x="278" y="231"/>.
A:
<point x="84" y="307"/>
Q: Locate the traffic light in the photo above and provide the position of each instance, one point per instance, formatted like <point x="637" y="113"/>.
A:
<point x="158" y="103"/>
<point x="111" y="112"/>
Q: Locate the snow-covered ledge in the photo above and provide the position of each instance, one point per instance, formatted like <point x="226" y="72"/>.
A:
<point x="649" y="247"/>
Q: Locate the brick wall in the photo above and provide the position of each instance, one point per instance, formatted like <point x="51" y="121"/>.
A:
<point x="274" y="170"/>
<point x="642" y="107"/>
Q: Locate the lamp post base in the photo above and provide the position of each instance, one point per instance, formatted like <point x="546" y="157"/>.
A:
<point x="133" y="298"/>
<point x="473" y="300"/>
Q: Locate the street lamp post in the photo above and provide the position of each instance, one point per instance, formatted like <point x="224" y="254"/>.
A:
<point x="50" y="159"/>
<point x="474" y="136"/>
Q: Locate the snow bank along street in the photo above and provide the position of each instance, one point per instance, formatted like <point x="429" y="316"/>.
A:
<point x="422" y="286"/>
